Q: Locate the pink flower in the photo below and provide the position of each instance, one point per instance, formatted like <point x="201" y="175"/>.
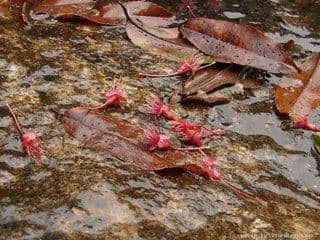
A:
<point x="115" y="96"/>
<point x="209" y="167"/>
<point x="189" y="66"/>
<point x="189" y="132"/>
<point x="156" y="107"/>
<point x="30" y="143"/>
<point x="305" y="124"/>
<point x="155" y="140"/>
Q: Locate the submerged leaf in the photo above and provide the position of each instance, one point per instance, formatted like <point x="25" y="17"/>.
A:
<point x="299" y="94"/>
<point x="122" y="140"/>
<point x="241" y="44"/>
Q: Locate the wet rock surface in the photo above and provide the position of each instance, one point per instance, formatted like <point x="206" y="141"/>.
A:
<point x="75" y="193"/>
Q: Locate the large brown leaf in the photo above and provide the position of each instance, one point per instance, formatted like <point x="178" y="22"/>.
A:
<point x="299" y="93"/>
<point x="122" y="140"/>
<point x="241" y="44"/>
<point x="105" y="133"/>
<point x="106" y="14"/>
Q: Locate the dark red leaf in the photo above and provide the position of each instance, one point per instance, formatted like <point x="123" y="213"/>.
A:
<point x="241" y="44"/>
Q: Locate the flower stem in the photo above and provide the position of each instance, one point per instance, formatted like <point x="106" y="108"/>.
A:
<point x="15" y="120"/>
<point x="242" y="194"/>
<point x="160" y="75"/>
<point x="191" y="148"/>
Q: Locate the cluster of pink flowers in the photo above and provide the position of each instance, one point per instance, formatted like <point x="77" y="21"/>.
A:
<point x="192" y="134"/>
<point x="189" y="133"/>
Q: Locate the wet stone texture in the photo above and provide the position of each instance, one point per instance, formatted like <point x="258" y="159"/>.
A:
<point x="75" y="193"/>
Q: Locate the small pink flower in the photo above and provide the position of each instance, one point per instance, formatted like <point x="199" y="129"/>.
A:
<point x="189" y="66"/>
<point x="155" y="140"/>
<point x="189" y="132"/>
<point x="30" y="143"/>
<point x="305" y="124"/>
<point x="115" y="96"/>
<point x="209" y="167"/>
<point x="156" y="107"/>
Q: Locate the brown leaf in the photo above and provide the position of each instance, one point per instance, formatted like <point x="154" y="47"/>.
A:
<point x="122" y="140"/>
<point x="299" y="93"/>
<point x="163" y="47"/>
<point x="209" y="98"/>
<point x="209" y="79"/>
<point x="241" y="44"/>
<point x="106" y="14"/>
<point x="4" y="8"/>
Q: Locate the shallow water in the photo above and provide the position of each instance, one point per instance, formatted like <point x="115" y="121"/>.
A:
<point x="75" y="193"/>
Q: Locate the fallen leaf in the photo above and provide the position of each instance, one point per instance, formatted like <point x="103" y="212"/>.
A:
<point x="209" y="98"/>
<point x="299" y="93"/>
<point x="124" y="141"/>
<point x="106" y="14"/>
<point x="164" y="47"/>
<point x="241" y="44"/>
<point x="201" y="85"/>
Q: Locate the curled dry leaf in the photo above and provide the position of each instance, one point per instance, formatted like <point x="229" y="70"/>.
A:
<point x="200" y="86"/>
<point x="211" y="78"/>
<point x="299" y="93"/>
<point x="241" y="44"/>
